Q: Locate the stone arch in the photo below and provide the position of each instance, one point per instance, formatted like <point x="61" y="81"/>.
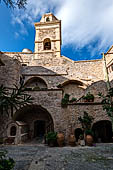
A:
<point x="38" y="119"/>
<point x="36" y="83"/>
<point x="74" y="88"/>
<point x="97" y="87"/>
<point x="102" y="131"/>
<point x="47" y="44"/>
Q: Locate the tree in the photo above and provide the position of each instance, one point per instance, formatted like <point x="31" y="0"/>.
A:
<point x="86" y="121"/>
<point x="13" y="4"/>
<point x="13" y="99"/>
<point x="108" y="103"/>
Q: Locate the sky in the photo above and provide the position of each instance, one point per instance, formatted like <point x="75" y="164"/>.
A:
<point x="87" y="26"/>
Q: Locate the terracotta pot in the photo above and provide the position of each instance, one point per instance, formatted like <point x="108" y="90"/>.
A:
<point x="89" y="140"/>
<point x="60" y="139"/>
<point x="72" y="140"/>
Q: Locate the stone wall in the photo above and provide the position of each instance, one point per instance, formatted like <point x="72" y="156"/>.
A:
<point x="10" y="72"/>
<point x="72" y="112"/>
<point x="51" y="101"/>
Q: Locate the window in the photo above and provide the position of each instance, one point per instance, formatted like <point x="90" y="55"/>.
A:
<point x="47" y="44"/>
<point x="13" y="131"/>
<point x="47" y="19"/>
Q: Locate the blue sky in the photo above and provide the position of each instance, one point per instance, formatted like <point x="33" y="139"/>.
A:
<point x="87" y="26"/>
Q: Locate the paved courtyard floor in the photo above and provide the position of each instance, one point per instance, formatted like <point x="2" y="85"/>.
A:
<point x="40" y="157"/>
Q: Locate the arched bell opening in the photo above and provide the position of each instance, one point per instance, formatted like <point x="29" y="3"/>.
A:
<point x="78" y="132"/>
<point x="102" y="131"/>
<point x="37" y="118"/>
<point x="47" y="44"/>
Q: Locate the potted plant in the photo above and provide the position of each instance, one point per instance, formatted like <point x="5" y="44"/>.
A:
<point x="88" y="97"/>
<point x="51" y="138"/>
<point x="72" y="140"/>
<point x="89" y="137"/>
<point x="60" y="139"/>
<point x="86" y="121"/>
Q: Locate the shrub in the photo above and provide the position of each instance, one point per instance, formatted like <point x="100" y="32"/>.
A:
<point x="51" y="136"/>
<point x="73" y="99"/>
<point x="89" y="97"/>
<point x="5" y="162"/>
<point x="65" y="100"/>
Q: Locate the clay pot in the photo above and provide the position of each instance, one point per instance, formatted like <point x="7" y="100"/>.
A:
<point x="60" y="139"/>
<point x="89" y="140"/>
<point x="72" y="140"/>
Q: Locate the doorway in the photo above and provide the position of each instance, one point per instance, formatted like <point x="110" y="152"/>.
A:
<point x="39" y="128"/>
<point x="102" y="131"/>
<point x="78" y="132"/>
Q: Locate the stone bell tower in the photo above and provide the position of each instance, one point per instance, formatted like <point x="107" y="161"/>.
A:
<point x="48" y="37"/>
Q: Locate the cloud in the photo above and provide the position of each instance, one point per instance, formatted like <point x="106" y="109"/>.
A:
<point x="16" y="34"/>
<point x="84" y="22"/>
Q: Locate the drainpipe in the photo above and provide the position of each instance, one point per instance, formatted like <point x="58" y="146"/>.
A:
<point x="106" y="73"/>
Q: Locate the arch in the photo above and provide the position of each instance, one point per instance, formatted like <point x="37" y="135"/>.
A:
<point x="36" y="83"/>
<point x="78" y="132"/>
<point x="37" y="118"/>
<point x="47" y="44"/>
<point x="102" y="131"/>
<point x="13" y="131"/>
<point x="77" y="82"/>
<point x="74" y="88"/>
<point x="97" y="87"/>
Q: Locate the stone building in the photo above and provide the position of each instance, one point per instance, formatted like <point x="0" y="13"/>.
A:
<point x="48" y="77"/>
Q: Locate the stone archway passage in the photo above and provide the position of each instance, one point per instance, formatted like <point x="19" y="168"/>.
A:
<point x="102" y="131"/>
<point x="38" y="119"/>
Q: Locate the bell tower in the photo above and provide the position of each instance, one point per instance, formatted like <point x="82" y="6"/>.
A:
<point x="48" y="37"/>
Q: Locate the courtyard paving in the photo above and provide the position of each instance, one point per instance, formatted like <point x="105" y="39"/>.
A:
<point x="40" y="157"/>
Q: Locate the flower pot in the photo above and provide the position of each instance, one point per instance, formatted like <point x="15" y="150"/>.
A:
<point x="89" y="140"/>
<point x="72" y="140"/>
<point x="60" y="139"/>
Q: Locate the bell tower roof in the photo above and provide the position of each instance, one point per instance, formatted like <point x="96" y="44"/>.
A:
<point x="48" y="17"/>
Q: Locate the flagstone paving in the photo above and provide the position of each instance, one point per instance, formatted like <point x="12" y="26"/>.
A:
<point x="40" y="157"/>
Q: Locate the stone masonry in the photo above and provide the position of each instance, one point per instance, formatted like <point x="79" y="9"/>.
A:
<point x="50" y="76"/>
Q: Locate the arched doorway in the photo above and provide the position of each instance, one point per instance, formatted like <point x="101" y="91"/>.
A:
<point x="78" y="132"/>
<point x="102" y="131"/>
<point x="13" y="131"/>
<point x="38" y="119"/>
